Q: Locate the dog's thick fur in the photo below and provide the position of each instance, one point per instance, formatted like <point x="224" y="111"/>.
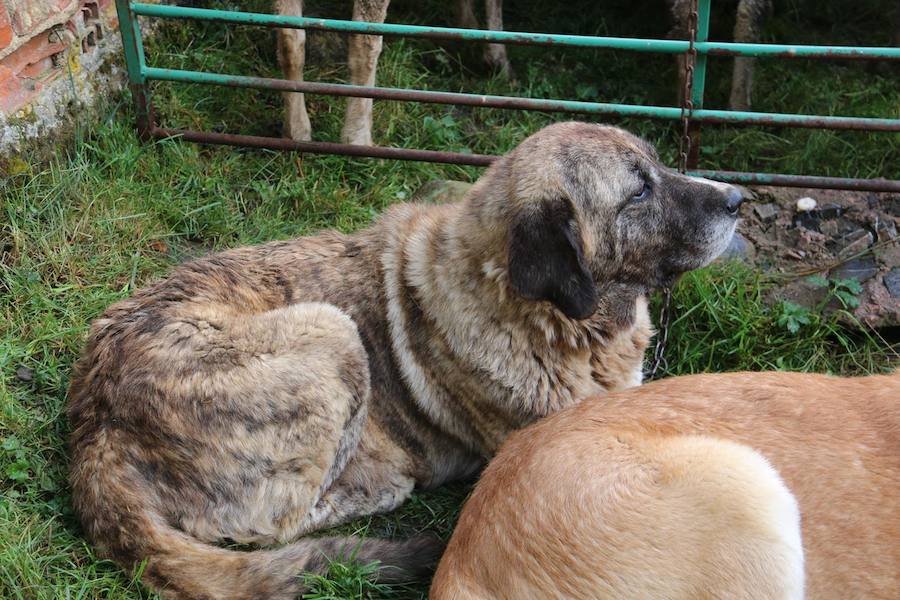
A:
<point x="663" y="492"/>
<point x="262" y="393"/>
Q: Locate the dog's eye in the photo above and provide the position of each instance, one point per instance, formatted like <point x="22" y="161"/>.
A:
<point x="644" y="193"/>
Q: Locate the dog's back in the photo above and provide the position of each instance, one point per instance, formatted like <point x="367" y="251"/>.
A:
<point x="661" y="492"/>
<point x="633" y="514"/>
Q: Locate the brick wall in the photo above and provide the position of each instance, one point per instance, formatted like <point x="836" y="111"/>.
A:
<point x="41" y="40"/>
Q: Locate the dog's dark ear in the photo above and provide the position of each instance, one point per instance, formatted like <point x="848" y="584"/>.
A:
<point x="546" y="260"/>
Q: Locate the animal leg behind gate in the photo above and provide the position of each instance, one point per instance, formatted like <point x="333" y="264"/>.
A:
<point x="362" y="57"/>
<point x="495" y="54"/>
<point x="291" y="57"/>
<point x="747" y="29"/>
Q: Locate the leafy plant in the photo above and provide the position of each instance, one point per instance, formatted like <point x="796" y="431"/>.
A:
<point x="845" y="290"/>
<point x="444" y="129"/>
<point x="793" y="316"/>
<point x="19" y="468"/>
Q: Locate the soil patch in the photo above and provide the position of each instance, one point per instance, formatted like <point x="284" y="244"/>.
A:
<point x="845" y="237"/>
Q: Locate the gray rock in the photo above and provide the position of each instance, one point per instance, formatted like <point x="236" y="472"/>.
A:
<point x="838" y="228"/>
<point x="24" y="373"/>
<point x="766" y="212"/>
<point x="892" y="282"/>
<point x="855" y="242"/>
<point x="831" y="211"/>
<point x="800" y="291"/>
<point x="894" y="206"/>
<point x="886" y="230"/>
<point x="860" y="269"/>
<point x="807" y="220"/>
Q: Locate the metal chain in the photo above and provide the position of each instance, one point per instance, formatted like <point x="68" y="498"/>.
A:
<point x="660" y="365"/>
<point x="687" y="92"/>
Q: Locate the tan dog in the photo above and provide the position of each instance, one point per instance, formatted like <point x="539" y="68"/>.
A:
<point x="662" y="492"/>
<point x="263" y="393"/>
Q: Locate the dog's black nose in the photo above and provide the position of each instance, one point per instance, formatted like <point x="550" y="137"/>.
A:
<point x="733" y="200"/>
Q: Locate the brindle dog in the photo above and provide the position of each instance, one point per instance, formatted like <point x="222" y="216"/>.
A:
<point x="262" y="393"/>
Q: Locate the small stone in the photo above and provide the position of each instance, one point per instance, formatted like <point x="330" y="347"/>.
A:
<point x="892" y="282"/>
<point x="838" y="228"/>
<point x="24" y="373"/>
<point x="856" y="242"/>
<point x="831" y="211"/>
<point x="886" y="230"/>
<point x="807" y="239"/>
<point x="807" y="220"/>
<point x="766" y="212"/>
<point x="894" y="207"/>
<point x="746" y="193"/>
<point x="888" y="255"/>
<point x="806" y="204"/>
<point x="860" y="269"/>
<point x="801" y="292"/>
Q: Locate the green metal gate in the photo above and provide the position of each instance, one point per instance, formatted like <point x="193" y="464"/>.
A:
<point x="140" y="73"/>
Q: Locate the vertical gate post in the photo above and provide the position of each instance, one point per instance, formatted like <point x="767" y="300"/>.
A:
<point x="134" y="62"/>
<point x="699" y="83"/>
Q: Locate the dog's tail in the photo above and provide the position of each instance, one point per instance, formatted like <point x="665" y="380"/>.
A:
<point x="120" y="515"/>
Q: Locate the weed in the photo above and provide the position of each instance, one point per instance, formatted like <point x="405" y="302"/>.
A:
<point x="793" y="316"/>
<point x="845" y="291"/>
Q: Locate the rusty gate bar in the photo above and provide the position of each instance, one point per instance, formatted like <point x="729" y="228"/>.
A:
<point x="804" y="181"/>
<point x="484" y="160"/>
<point x="140" y="73"/>
<point x="133" y="48"/>
<point x="274" y="143"/>
<point x="512" y="102"/>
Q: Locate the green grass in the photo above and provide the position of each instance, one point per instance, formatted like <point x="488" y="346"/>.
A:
<point x="723" y="322"/>
<point x="108" y="214"/>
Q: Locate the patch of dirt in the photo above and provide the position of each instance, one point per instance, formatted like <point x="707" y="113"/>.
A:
<point x="848" y="235"/>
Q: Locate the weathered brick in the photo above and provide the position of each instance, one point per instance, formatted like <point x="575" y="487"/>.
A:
<point x="31" y="16"/>
<point x="25" y="72"/>
<point x="6" y="32"/>
<point x="7" y="78"/>
<point x="38" y="37"/>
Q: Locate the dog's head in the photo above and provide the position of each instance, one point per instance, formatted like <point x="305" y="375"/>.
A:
<point x="590" y="207"/>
